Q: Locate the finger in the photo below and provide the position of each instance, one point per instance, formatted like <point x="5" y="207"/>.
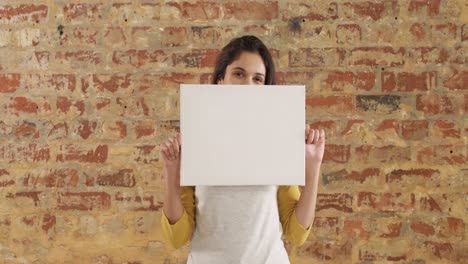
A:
<point x="307" y="131"/>
<point x="179" y="139"/>
<point x="163" y="151"/>
<point x="316" y="136"/>
<point x="310" y="137"/>
<point x="175" y="147"/>
<point x="322" y="135"/>
<point x="169" y="149"/>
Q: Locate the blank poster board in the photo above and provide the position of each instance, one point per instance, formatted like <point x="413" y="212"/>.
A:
<point x="242" y="134"/>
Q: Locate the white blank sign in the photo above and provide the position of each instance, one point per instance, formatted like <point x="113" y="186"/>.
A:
<point x="242" y="134"/>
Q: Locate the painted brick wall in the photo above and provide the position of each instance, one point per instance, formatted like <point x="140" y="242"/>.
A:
<point x="88" y="89"/>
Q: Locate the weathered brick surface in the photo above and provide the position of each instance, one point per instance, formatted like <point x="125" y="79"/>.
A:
<point x="88" y="89"/>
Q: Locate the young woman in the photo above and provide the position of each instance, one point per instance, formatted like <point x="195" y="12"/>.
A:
<point x="240" y="224"/>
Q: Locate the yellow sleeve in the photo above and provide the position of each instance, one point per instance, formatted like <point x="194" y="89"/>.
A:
<point x="288" y="196"/>
<point x="181" y="231"/>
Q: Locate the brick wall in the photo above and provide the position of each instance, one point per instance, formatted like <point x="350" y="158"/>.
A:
<point x="88" y="90"/>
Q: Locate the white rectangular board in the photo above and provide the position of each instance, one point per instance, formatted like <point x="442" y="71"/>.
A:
<point x="242" y="134"/>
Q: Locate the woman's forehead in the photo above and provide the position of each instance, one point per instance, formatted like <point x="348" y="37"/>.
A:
<point x="250" y="62"/>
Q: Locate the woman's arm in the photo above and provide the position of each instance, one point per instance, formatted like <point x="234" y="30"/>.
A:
<point x="173" y="207"/>
<point x="305" y="208"/>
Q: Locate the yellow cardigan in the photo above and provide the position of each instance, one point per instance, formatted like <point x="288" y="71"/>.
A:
<point x="180" y="232"/>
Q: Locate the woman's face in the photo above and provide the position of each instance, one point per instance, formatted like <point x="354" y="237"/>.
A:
<point x="247" y="69"/>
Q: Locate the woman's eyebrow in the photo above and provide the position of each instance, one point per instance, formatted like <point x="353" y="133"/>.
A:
<point x="239" y="68"/>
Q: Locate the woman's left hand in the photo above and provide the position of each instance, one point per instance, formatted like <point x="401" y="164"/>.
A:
<point x="314" y="147"/>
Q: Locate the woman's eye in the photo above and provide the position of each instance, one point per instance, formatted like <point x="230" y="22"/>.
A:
<point x="238" y="74"/>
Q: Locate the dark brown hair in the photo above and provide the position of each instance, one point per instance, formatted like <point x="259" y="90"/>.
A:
<point x="232" y="51"/>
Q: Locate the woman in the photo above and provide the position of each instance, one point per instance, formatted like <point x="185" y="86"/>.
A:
<point x="240" y="224"/>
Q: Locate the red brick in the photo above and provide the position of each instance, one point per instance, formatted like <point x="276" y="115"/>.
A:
<point x="444" y="32"/>
<point x="24" y="152"/>
<point x="442" y="250"/>
<point x="56" y="178"/>
<point x="132" y="106"/>
<point x="117" y="129"/>
<point x="174" y="36"/>
<point x="371" y="254"/>
<point x="115" y="37"/>
<point x="399" y="175"/>
<point x="83" y="201"/>
<point x="348" y="130"/>
<point x="373" y="56"/>
<point x="40" y="83"/>
<point x="147" y="154"/>
<point x="430" y="55"/>
<point x="387" y="202"/>
<point x="419" y="31"/>
<point x="136" y="202"/>
<point x="6" y="179"/>
<point x="439" y="104"/>
<point x="350" y="176"/>
<point x="77" y="58"/>
<point x="450" y="227"/>
<point x="84" y="35"/>
<point x="408" y="82"/>
<point x="102" y="102"/>
<point x="145" y="129"/>
<point x="23" y="104"/>
<point x="332" y="102"/>
<point x="458" y="81"/>
<point x="324" y="250"/>
<point x="65" y="104"/>
<point x="243" y="10"/>
<point x="290" y="78"/>
<point x="82" y="153"/>
<point x="445" y="129"/>
<point x="23" y="13"/>
<point x="341" y="81"/>
<point x="394" y="230"/>
<point x="355" y="229"/>
<point x="422" y="228"/>
<point x="330" y="126"/>
<point x="414" y="129"/>
<point x="443" y="155"/>
<point x="314" y="57"/>
<point x="138" y="58"/>
<point x="33" y="195"/>
<point x="196" y="58"/>
<point x="27" y="130"/>
<point x="48" y="222"/>
<point x="431" y="7"/>
<point x="429" y="204"/>
<point x="58" y="131"/>
<point x="337" y="153"/>
<point x="326" y="227"/>
<point x="348" y="33"/>
<point x="9" y="82"/>
<point x="339" y="201"/>
<point x="203" y="36"/>
<point x="85" y="128"/>
<point x="318" y="11"/>
<point x="120" y="178"/>
<point x="464" y="32"/>
<point x="166" y="81"/>
<point x="83" y="12"/>
<point x="388" y="153"/>
<point x="369" y="9"/>
<point x="198" y="11"/>
<point x="104" y="82"/>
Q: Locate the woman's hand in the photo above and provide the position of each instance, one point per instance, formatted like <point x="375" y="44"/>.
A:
<point x="169" y="151"/>
<point x="314" y="147"/>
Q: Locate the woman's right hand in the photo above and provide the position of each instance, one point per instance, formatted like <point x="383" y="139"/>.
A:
<point x="169" y="151"/>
